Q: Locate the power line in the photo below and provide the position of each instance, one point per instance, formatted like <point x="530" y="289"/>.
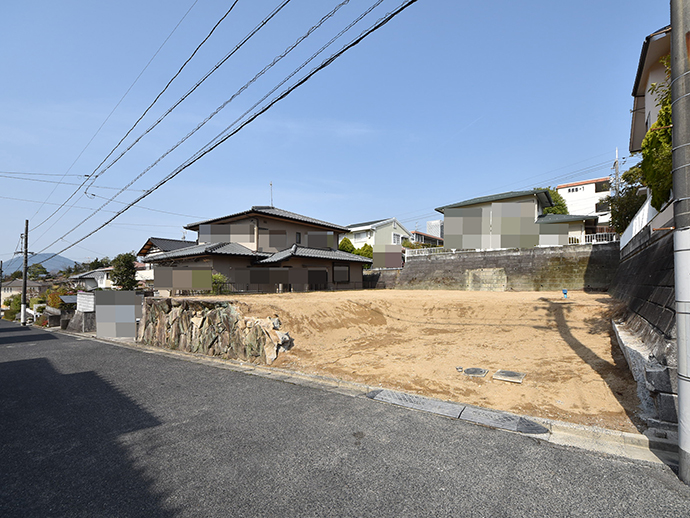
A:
<point x="243" y="88"/>
<point x="108" y="118"/>
<point x="222" y="137"/>
<point x="191" y="90"/>
<point x="95" y="175"/>
<point x="111" y="211"/>
<point x="56" y="182"/>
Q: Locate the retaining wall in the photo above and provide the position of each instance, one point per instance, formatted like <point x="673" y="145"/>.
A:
<point x="530" y="269"/>
<point x="645" y="282"/>
<point x="212" y="328"/>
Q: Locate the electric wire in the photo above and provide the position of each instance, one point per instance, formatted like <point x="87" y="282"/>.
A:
<point x="94" y="176"/>
<point x="110" y="114"/>
<point x="222" y="137"/>
<point x="237" y="47"/>
<point x="277" y="59"/>
<point x="56" y="182"/>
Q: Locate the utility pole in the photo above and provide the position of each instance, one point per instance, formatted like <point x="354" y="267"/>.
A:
<point x="616" y="178"/>
<point x="680" y="97"/>
<point x="26" y="268"/>
<point x="0" y="282"/>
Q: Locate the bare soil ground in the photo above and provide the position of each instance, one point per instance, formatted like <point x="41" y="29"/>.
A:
<point x="414" y="340"/>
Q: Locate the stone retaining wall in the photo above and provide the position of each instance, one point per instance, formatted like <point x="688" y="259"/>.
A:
<point x="530" y="269"/>
<point x="212" y="328"/>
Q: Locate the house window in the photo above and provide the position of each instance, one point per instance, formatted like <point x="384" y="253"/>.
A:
<point x="602" y="187"/>
<point x="360" y="236"/>
<point x="341" y="273"/>
<point x="602" y="206"/>
<point x="298" y="237"/>
<point x="396" y="239"/>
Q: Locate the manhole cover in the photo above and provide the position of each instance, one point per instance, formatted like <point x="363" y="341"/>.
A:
<point x="476" y="372"/>
<point x="512" y="376"/>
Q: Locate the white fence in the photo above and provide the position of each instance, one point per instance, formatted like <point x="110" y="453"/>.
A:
<point x="590" y="239"/>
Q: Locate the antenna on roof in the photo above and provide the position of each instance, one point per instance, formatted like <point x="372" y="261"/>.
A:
<point x="184" y="235"/>
<point x="271" y="184"/>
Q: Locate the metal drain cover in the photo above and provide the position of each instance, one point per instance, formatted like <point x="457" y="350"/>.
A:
<point x="512" y="376"/>
<point x="417" y="402"/>
<point x="476" y="372"/>
<point x="501" y="420"/>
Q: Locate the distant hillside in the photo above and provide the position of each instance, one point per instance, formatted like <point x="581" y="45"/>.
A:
<point x="53" y="265"/>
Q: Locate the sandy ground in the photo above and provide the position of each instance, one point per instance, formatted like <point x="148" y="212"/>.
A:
<point x="414" y="340"/>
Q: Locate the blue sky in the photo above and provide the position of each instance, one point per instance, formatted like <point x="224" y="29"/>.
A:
<point x="449" y="101"/>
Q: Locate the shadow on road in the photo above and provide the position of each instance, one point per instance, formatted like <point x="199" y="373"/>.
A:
<point x="59" y="451"/>
<point x="26" y="337"/>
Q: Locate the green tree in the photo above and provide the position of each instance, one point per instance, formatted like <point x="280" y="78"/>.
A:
<point x="559" y="205"/>
<point x="346" y="246"/>
<point x="657" y="163"/>
<point x="365" y="251"/>
<point x="14" y="303"/>
<point x="218" y="283"/>
<point x="124" y="271"/>
<point x="36" y="271"/>
<point x="16" y="275"/>
<point x="625" y="204"/>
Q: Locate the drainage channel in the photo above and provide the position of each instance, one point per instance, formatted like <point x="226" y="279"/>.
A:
<point x="500" y="420"/>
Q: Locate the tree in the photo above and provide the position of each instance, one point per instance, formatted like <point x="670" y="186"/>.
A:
<point x="625" y="204"/>
<point x="218" y="283"/>
<point x="346" y="246"/>
<point x="366" y="251"/>
<point x="16" y="275"/>
<point x="36" y="271"/>
<point x="559" y="206"/>
<point x="657" y="162"/>
<point x="124" y="271"/>
<point x="99" y="263"/>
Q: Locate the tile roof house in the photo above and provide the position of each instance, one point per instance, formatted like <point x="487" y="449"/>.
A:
<point x="14" y="287"/>
<point x="265" y="249"/>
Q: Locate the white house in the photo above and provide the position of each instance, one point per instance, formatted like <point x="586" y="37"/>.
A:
<point x="649" y="70"/>
<point x="587" y="198"/>
<point x="385" y="236"/>
<point x="14" y="287"/>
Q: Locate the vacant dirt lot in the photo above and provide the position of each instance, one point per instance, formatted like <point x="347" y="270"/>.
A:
<point x="414" y="340"/>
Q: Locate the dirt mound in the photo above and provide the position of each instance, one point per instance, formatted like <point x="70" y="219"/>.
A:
<point x="414" y="340"/>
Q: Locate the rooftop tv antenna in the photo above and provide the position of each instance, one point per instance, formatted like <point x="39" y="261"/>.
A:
<point x="271" y="184"/>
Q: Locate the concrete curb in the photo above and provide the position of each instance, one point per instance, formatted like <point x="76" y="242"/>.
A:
<point x="627" y="445"/>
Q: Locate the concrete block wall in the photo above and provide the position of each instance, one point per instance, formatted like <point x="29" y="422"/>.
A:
<point x="531" y="269"/>
<point x="382" y="278"/>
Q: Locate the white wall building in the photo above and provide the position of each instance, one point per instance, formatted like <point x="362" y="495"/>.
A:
<point x="650" y="70"/>
<point x="435" y="228"/>
<point x="586" y="198"/>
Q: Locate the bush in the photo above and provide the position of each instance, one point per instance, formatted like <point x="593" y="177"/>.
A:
<point x="218" y="284"/>
<point x="346" y="246"/>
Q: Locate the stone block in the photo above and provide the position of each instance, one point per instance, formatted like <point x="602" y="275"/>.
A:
<point x="666" y="406"/>
<point x="659" y="378"/>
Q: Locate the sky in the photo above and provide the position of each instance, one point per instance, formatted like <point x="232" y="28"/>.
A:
<point x="448" y="101"/>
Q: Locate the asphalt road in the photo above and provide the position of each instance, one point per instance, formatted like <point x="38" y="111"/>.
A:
<point x="93" y="429"/>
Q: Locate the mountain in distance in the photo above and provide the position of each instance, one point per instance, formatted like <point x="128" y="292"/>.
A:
<point x="53" y="265"/>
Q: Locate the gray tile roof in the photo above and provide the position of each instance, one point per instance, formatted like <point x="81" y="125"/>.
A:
<point x="367" y="223"/>
<point x="269" y="211"/>
<point x="206" y="249"/>
<point x="314" y="253"/>
<point x="563" y="218"/>
<point x="543" y="194"/>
